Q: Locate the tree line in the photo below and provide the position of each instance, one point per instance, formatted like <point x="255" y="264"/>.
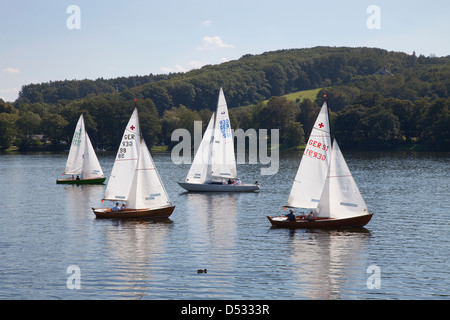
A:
<point x="406" y="103"/>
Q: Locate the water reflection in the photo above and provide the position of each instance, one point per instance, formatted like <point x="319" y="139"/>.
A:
<point x="212" y="221"/>
<point x="329" y="263"/>
<point x="120" y="254"/>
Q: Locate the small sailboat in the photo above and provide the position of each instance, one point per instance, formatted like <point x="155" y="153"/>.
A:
<point x="214" y="165"/>
<point x="324" y="185"/>
<point x="135" y="179"/>
<point x="82" y="163"/>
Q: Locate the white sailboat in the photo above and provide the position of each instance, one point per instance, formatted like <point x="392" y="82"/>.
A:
<point x="135" y="179"/>
<point x="324" y="185"/>
<point x="214" y="165"/>
<point x="82" y="163"/>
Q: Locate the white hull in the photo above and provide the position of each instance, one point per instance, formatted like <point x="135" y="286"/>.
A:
<point x="215" y="187"/>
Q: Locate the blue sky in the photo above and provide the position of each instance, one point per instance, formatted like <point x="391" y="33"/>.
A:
<point x="136" y="37"/>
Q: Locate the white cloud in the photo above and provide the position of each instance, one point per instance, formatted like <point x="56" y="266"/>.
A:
<point x="191" y="65"/>
<point x="10" y="70"/>
<point x="179" y="68"/>
<point x="9" y="94"/>
<point x="211" y="43"/>
<point x="206" y="23"/>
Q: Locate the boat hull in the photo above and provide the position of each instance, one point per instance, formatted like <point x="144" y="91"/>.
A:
<point x="213" y="187"/>
<point x="81" y="181"/>
<point x="107" y="213"/>
<point x="320" y="223"/>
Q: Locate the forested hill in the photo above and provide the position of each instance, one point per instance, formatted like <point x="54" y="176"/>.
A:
<point x="253" y="78"/>
<point x="379" y="99"/>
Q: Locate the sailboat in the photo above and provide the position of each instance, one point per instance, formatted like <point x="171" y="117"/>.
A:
<point x="214" y="165"/>
<point x="82" y="163"/>
<point x="324" y="185"/>
<point x="135" y="179"/>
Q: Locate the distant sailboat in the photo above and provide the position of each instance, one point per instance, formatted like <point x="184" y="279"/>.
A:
<point x="324" y="184"/>
<point x="214" y="165"/>
<point x="82" y="163"/>
<point x="135" y="179"/>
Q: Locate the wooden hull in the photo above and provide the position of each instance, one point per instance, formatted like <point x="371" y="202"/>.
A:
<point x="213" y="187"/>
<point x="81" y="181"/>
<point x="320" y="223"/>
<point x="107" y="213"/>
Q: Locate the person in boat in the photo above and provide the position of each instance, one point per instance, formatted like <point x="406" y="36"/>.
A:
<point x="238" y="182"/>
<point x="310" y="216"/>
<point x="116" y="207"/>
<point x="291" y="216"/>
<point x="124" y="207"/>
<point x="78" y="177"/>
<point x="230" y="181"/>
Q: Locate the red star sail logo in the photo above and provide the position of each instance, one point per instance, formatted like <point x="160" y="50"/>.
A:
<point x="321" y="125"/>
<point x="132" y="127"/>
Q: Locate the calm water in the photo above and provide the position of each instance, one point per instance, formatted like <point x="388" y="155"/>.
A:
<point x="48" y="227"/>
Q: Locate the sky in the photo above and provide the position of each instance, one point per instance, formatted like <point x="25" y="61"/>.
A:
<point x="51" y="40"/>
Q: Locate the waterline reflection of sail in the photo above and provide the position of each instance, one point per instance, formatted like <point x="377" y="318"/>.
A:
<point x="212" y="218"/>
<point x="328" y="263"/>
<point x="137" y="248"/>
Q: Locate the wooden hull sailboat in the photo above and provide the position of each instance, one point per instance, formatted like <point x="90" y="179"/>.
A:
<point x="108" y="213"/>
<point x="135" y="179"/>
<point x="82" y="163"/>
<point x="214" y="162"/>
<point x="324" y="185"/>
<point x="320" y="223"/>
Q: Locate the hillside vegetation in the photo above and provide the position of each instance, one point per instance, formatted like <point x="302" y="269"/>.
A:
<point x="378" y="100"/>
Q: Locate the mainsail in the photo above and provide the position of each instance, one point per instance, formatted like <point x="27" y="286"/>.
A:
<point x="82" y="159"/>
<point x="223" y="162"/>
<point x="312" y="171"/>
<point x="340" y="197"/>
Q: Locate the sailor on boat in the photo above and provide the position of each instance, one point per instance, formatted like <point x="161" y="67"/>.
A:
<point x="291" y="216"/>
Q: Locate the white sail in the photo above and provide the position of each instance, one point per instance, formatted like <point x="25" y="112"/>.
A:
<point x="82" y="159"/>
<point x="223" y="160"/>
<point x="147" y="190"/>
<point x="341" y="197"/>
<point x="200" y="171"/>
<point x="312" y="171"/>
<point x="91" y="166"/>
<point x="122" y="173"/>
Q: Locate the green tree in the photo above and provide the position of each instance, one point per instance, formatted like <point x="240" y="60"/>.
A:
<point x="436" y="125"/>
<point x="175" y="118"/>
<point x="7" y="129"/>
<point x="53" y="127"/>
<point x="350" y="126"/>
<point x="382" y="128"/>
<point x="294" y="135"/>
<point x="28" y="124"/>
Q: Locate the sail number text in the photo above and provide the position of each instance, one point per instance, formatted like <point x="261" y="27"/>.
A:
<point x="126" y="142"/>
<point x="315" y="149"/>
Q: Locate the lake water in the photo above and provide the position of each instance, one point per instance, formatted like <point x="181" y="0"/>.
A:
<point x="47" y="229"/>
